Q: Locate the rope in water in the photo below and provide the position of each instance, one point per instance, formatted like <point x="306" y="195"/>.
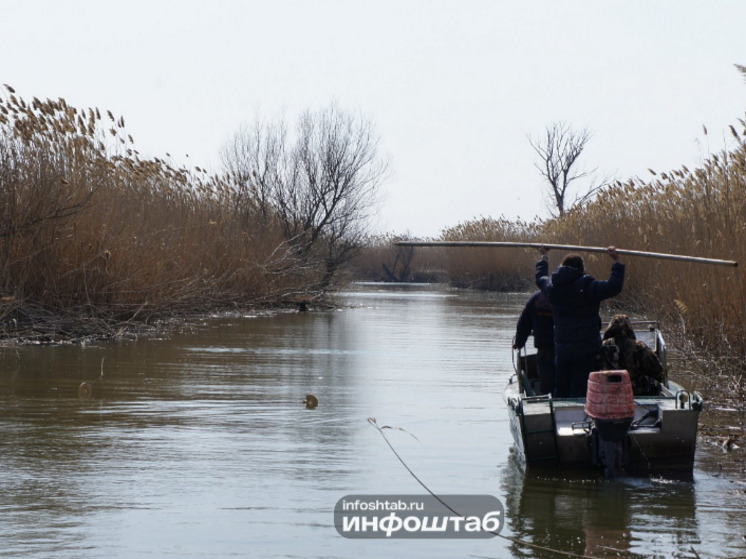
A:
<point x="374" y="423"/>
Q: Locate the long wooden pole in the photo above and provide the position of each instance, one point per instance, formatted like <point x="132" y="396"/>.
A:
<point x="574" y="248"/>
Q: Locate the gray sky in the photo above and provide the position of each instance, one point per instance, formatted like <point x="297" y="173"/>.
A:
<point x="453" y="87"/>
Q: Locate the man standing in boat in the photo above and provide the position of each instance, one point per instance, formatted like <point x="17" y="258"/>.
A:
<point x="537" y="318"/>
<point x="576" y="301"/>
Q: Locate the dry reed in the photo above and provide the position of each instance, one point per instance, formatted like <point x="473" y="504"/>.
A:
<point x="700" y="212"/>
<point x="90" y="230"/>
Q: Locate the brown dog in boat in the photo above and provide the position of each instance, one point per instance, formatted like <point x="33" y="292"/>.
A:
<point x="622" y="350"/>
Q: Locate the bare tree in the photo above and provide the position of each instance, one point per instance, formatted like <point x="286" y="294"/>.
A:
<point x="320" y="187"/>
<point x="558" y="151"/>
<point x="401" y="268"/>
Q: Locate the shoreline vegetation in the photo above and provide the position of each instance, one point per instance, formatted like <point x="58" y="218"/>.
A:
<point x="699" y="212"/>
<point x="98" y="241"/>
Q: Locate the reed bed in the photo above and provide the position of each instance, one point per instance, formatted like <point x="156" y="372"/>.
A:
<point x="93" y="234"/>
<point x="699" y="212"/>
<point x="487" y="268"/>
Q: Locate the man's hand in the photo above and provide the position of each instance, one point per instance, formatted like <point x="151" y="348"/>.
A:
<point x="613" y="254"/>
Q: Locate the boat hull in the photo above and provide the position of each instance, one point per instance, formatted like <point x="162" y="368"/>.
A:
<point x="557" y="434"/>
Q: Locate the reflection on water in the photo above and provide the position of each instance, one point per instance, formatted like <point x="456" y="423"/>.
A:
<point x="199" y="445"/>
<point x="630" y="516"/>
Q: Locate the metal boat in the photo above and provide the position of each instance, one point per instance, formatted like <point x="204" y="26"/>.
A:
<point x="656" y="438"/>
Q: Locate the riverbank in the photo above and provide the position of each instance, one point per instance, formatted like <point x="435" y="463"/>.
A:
<point x="28" y="324"/>
<point x="99" y="240"/>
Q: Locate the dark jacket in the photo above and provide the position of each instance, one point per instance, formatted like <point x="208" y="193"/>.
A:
<point x="576" y="302"/>
<point x="536" y="316"/>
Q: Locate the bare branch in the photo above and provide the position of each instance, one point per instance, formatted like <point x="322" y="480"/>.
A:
<point x="320" y="188"/>
<point x="558" y="152"/>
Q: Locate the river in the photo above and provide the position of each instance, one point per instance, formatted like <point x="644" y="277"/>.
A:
<point x="198" y="444"/>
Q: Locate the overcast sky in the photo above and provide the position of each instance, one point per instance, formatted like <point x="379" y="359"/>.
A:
<point x="454" y="88"/>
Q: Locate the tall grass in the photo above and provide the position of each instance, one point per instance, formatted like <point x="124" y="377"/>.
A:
<point x="90" y="228"/>
<point x="699" y="212"/>
<point x="486" y="268"/>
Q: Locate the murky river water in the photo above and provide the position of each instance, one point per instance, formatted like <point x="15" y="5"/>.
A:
<point x="199" y="445"/>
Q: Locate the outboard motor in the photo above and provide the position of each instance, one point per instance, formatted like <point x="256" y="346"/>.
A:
<point x="611" y="404"/>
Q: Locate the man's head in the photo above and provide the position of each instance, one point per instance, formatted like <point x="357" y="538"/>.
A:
<point x="574" y="261"/>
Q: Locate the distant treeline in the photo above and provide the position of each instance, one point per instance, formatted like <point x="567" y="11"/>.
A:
<point x="698" y="212"/>
<point x="93" y="235"/>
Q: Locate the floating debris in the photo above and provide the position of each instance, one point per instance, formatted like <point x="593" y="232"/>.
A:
<point x="85" y="390"/>
<point x="311" y="401"/>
